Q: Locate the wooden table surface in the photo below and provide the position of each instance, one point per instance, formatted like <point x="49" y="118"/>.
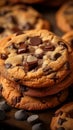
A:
<point x="45" y="116"/>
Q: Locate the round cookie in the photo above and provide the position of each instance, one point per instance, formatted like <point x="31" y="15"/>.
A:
<point x="64" y="17"/>
<point x="20" y="17"/>
<point x="63" y="119"/>
<point x="36" y="58"/>
<point x="17" y="100"/>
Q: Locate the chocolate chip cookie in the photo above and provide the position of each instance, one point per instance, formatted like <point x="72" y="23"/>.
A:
<point x="64" y="17"/>
<point x="63" y="119"/>
<point x="17" y="100"/>
<point x="20" y="17"/>
<point x="36" y="58"/>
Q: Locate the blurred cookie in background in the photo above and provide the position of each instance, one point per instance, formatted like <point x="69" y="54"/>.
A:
<point x="64" y="17"/>
<point x="20" y="17"/>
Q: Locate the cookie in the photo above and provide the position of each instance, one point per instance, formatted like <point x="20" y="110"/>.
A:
<point x="10" y="21"/>
<point x="63" y="119"/>
<point x="17" y="100"/>
<point x="64" y="17"/>
<point x="36" y="58"/>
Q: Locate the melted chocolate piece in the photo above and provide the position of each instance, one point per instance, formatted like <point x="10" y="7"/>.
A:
<point x="48" y="46"/>
<point x="61" y="121"/>
<point x="15" y="30"/>
<point x="56" y="56"/>
<point x="3" y="56"/>
<point x="30" y="66"/>
<point x="35" y="41"/>
<point x="2" y="29"/>
<point x="22" y="48"/>
<point x="28" y="26"/>
<point x="8" y="65"/>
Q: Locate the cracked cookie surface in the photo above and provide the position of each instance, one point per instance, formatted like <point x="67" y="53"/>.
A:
<point x="36" y="58"/>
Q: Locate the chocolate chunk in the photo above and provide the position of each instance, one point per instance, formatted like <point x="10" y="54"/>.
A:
<point x="15" y="30"/>
<point x="62" y="44"/>
<point x="35" y="41"/>
<point x="31" y="63"/>
<point x="61" y="128"/>
<point x="28" y="26"/>
<point x="67" y="65"/>
<point x="56" y="56"/>
<point x="33" y="119"/>
<point x="12" y="19"/>
<point x="2" y="115"/>
<point x="4" y="106"/>
<point x="16" y="100"/>
<point x="61" y="121"/>
<point x="38" y="126"/>
<point x="21" y="115"/>
<point x="48" y="46"/>
<point x="3" y="56"/>
<point x="22" y="48"/>
<point x="2" y="29"/>
<point x="26" y="66"/>
<point x="8" y="65"/>
<point x="48" y="70"/>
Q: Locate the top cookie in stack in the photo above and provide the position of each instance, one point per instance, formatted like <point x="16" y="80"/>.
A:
<point x="35" y="59"/>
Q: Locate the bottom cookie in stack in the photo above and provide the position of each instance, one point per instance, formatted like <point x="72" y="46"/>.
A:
<point x="17" y="100"/>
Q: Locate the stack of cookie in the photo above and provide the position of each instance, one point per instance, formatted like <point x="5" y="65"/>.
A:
<point x="36" y="69"/>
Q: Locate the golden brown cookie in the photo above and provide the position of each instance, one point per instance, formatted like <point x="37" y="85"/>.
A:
<point x="63" y="119"/>
<point x="20" y="17"/>
<point x="64" y="17"/>
<point x="37" y="58"/>
<point x="17" y="100"/>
